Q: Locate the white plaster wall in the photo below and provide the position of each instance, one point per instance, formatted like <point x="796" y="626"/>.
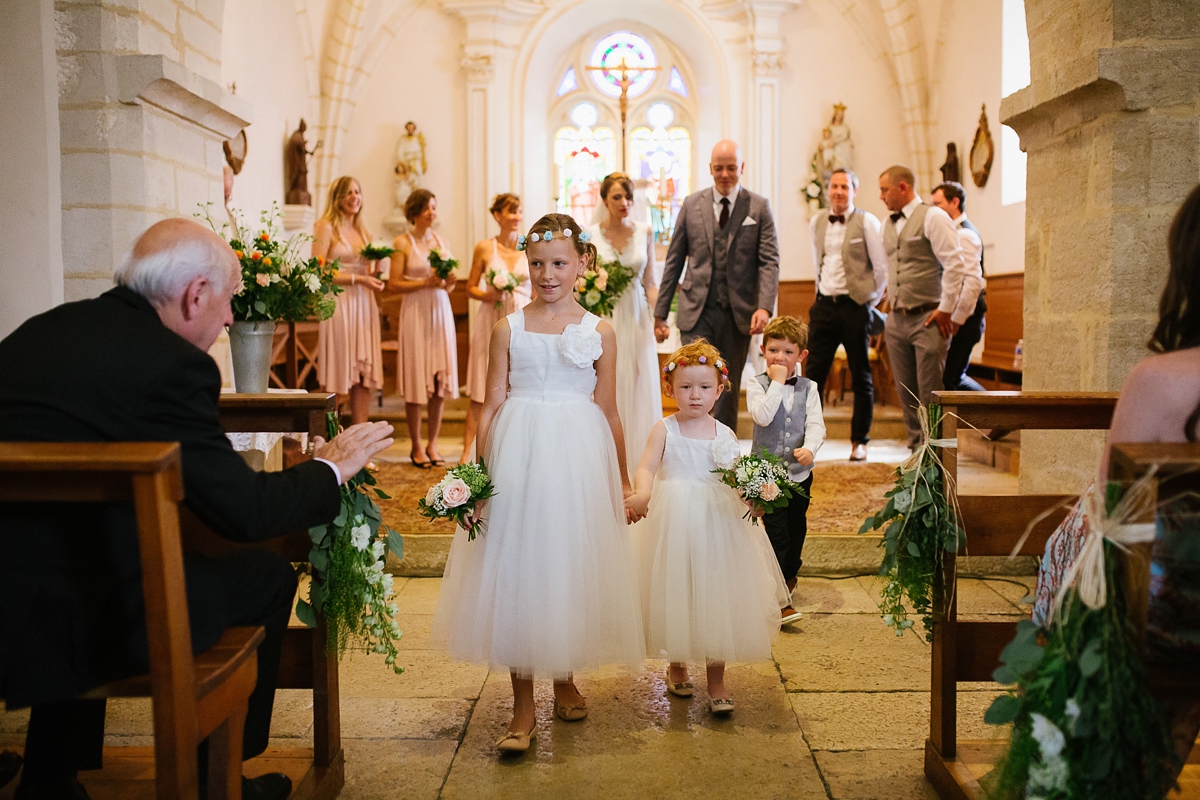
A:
<point x="269" y="71"/>
<point x="418" y="78"/>
<point x="971" y="62"/>
<point x="827" y="63"/>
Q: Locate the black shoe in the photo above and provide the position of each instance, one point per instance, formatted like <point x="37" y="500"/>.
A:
<point x="272" y="786"/>
<point x="10" y="765"/>
<point x="62" y="789"/>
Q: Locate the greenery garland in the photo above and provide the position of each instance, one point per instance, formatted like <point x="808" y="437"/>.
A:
<point x="921" y="526"/>
<point x="349" y="586"/>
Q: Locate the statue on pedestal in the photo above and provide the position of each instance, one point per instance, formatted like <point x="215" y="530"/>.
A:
<point x="295" y="168"/>
<point x="409" y="170"/>
<point x="950" y="170"/>
<point x="835" y="150"/>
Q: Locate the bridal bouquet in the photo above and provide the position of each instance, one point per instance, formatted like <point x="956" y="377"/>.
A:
<point x="349" y="585"/>
<point x="761" y="480"/>
<point x="442" y="267"/>
<point x="503" y="281"/>
<point x="456" y="495"/>
<point x="599" y="289"/>
<point x="377" y="251"/>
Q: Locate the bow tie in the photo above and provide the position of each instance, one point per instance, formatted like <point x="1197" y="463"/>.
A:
<point x="837" y="218"/>
<point x="791" y="381"/>
<point x="899" y="215"/>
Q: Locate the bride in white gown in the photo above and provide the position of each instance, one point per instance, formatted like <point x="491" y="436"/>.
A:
<point x="619" y="237"/>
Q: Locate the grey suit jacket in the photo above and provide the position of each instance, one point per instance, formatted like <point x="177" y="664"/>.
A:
<point x="752" y="266"/>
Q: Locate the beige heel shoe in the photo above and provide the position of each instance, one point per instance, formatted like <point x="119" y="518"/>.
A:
<point x="516" y="742"/>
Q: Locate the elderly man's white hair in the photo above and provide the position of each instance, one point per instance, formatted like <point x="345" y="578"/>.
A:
<point x="170" y="255"/>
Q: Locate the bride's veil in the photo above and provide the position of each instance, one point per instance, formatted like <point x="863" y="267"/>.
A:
<point x="599" y="215"/>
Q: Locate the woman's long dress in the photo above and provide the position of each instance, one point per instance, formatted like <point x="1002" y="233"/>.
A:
<point x="427" y="363"/>
<point x="348" y="343"/>
<point x="486" y="316"/>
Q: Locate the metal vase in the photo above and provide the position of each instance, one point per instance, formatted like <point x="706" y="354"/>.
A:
<point x="250" y="345"/>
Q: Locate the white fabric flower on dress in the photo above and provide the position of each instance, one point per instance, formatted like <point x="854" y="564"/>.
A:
<point x="580" y="346"/>
<point x="726" y="451"/>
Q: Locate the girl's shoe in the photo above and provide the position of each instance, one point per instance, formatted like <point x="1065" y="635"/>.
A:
<point x="684" y="689"/>
<point x="571" y="713"/>
<point x="720" y="706"/>
<point x="516" y="742"/>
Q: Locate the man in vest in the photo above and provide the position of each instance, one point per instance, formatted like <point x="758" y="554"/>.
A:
<point x="926" y="276"/>
<point x="851" y="276"/>
<point x="951" y="197"/>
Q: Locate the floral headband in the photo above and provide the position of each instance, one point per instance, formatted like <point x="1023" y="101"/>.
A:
<point x="546" y="236"/>
<point x="683" y="362"/>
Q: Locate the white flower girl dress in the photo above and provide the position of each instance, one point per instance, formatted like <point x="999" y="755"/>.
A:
<point x="549" y="586"/>
<point x="710" y="585"/>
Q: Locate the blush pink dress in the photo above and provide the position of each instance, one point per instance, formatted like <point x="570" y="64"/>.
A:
<point x="348" y="348"/>
<point x="486" y="317"/>
<point x="427" y="364"/>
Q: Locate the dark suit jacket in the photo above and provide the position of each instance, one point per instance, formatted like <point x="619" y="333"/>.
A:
<point x="107" y="369"/>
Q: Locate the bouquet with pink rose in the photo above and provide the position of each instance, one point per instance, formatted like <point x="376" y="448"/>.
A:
<point x="503" y="281"/>
<point x="456" y="495"/>
<point x="760" y="480"/>
<point x="599" y="289"/>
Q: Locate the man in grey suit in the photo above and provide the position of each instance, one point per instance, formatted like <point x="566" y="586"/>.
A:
<point x="726" y="236"/>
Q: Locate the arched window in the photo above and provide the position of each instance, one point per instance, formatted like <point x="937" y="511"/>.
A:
<point x="568" y="84"/>
<point x="1014" y="76"/>
<point x="661" y="156"/>
<point x="622" y="49"/>
<point x="583" y="155"/>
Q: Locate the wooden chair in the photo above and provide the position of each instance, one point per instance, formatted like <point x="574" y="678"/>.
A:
<point x="295" y="349"/>
<point x="969" y="650"/>
<point x="193" y="697"/>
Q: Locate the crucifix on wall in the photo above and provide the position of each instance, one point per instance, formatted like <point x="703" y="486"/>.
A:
<point x="624" y="82"/>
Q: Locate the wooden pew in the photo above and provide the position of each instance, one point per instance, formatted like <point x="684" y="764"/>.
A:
<point x="305" y="664"/>
<point x="968" y="650"/>
<point x="194" y="697"/>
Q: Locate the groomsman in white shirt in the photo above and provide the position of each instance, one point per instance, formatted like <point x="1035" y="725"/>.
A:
<point x="926" y="277"/>
<point x="851" y="269"/>
<point x="951" y="197"/>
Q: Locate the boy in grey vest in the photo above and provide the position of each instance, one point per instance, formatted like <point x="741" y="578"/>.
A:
<point x="786" y="408"/>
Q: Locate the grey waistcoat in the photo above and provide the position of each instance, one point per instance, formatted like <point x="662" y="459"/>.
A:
<point x="786" y="431"/>
<point x="720" y="281"/>
<point x="856" y="261"/>
<point x="914" y="273"/>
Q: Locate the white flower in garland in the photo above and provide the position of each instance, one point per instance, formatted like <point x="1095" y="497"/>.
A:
<point x="360" y="536"/>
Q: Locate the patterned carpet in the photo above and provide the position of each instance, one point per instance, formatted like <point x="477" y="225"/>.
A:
<point x="844" y="495"/>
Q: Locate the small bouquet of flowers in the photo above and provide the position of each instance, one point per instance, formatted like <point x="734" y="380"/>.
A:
<point x="599" y="290"/>
<point x="377" y="251"/>
<point x="442" y="267"/>
<point x="503" y="281"/>
<point x="761" y="480"/>
<point x="456" y="495"/>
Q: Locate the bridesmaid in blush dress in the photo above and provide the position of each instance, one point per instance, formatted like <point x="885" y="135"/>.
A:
<point x="349" y="360"/>
<point x="427" y="365"/>
<point x="499" y="253"/>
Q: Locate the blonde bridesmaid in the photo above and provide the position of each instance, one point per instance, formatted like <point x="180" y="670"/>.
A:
<point x="349" y="360"/>
<point x="427" y="365"/>
<point x="495" y="254"/>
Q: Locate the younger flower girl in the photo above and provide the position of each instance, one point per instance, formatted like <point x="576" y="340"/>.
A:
<point x="710" y="586"/>
<point x="549" y="586"/>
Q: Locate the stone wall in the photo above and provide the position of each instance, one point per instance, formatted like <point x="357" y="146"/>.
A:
<point x="1111" y="124"/>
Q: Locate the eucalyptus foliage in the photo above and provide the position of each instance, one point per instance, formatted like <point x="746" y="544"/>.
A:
<point x="920" y="525"/>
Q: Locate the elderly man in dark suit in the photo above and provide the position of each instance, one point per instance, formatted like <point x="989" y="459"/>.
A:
<point x="131" y="365"/>
<point x="726" y="236"/>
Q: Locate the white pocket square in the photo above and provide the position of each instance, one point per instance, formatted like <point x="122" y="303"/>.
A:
<point x="749" y="221"/>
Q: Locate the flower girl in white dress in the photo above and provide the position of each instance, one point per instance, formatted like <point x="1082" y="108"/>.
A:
<point x="619" y="237"/>
<point x="549" y="587"/>
<point x="711" y="588"/>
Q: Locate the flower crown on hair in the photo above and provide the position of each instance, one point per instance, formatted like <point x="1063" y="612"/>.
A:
<point x="546" y="236"/>
<point x="683" y="362"/>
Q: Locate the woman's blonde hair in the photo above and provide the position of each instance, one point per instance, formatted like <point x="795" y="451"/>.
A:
<point x="558" y="225"/>
<point x="334" y="214"/>
<point x="696" y="354"/>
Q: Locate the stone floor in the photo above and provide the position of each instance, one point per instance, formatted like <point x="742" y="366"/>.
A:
<point x="840" y="712"/>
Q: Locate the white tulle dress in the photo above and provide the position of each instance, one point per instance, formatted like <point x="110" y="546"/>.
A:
<point x="710" y="585"/>
<point x="549" y="587"/>
<point x="639" y="396"/>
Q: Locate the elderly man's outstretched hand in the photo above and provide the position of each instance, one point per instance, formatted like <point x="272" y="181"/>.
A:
<point x="354" y="447"/>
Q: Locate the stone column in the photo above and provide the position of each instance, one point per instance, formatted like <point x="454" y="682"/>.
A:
<point x="478" y="66"/>
<point x="31" y="271"/>
<point x="1111" y="123"/>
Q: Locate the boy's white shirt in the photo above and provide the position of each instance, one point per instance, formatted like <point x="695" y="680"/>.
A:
<point x="764" y="403"/>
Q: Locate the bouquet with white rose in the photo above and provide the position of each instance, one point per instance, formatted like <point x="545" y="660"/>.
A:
<point x="599" y="289"/>
<point x="503" y="281"/>
<point x="349" y="587"/>
<point x="761" y="480"/>
<point x="377" y="251"/>
<point x="456" y="495"/>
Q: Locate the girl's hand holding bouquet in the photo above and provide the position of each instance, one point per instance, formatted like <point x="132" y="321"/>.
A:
<point x="760" y="480"/>
<point x="503" y="281"/>
<point x="459" y="496"/>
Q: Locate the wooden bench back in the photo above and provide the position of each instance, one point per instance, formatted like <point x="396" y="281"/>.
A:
<point x="147" y="474"/>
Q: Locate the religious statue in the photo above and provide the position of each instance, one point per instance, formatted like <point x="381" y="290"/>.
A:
<point x="295" y="168"/>
<point x="410" y="163"/>
<point x="835" y="150"/>
<point x="950" y="170"/>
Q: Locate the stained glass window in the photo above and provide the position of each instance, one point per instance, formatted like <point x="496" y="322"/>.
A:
<point x="662" y="156"/>
<point x="676" y="84"/>
<point x="569" y="84"/>
<point x="631" y="50"/>
<point x="582" y="157"/>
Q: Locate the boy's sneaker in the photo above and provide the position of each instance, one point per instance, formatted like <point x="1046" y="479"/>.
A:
<point x="789" y="614"/>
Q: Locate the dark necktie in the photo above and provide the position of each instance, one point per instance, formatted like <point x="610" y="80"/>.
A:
<point x="837" y="218"/>
<point x="724" y="220"/>
<point x="899" y="215"/>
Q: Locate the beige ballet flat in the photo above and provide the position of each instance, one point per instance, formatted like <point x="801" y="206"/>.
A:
<point x="684" y="689"/>
<point x="720" y="706"/>
<point x="570" y="713"/>
<point x="516" y="742"/>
